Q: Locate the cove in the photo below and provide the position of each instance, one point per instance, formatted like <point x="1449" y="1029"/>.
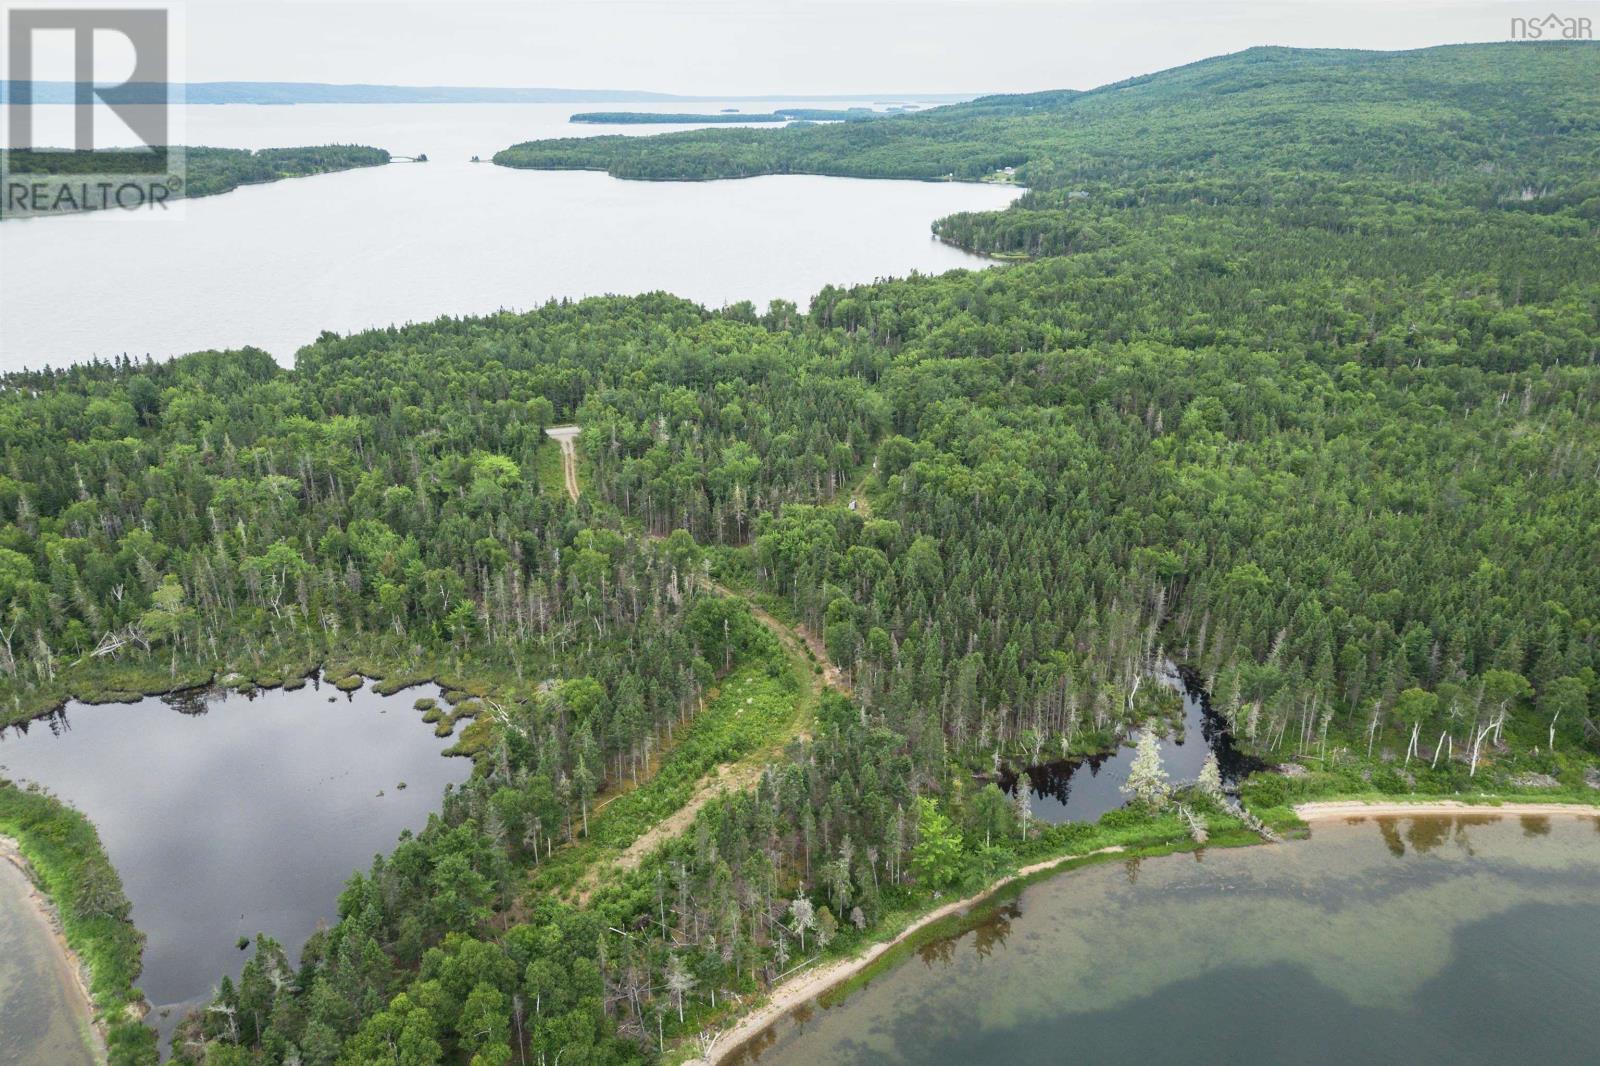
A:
<point x="1082" y="788"/>
<point x="274" y="265"/>
<point x="228" y="815"/>
<point x="1460" y="939"/>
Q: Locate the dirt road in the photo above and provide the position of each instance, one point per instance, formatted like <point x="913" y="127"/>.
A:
<point x="567" y="437"/>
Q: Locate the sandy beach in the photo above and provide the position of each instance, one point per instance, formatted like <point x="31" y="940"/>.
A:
<point x="806" y="986"/>
<point x="1321" y="812"/>
<point x="68" y="960"/>
<point x="811" y="983"/>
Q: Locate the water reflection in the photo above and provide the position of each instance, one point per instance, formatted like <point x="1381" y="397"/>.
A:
<point x="227" y="815"/>
<point x="194" y="701"/>
<point x="937" y="952"/>
<point x="991" y="931"/>
<point x="995" y="930"/>
<point x="1085" y="787"/>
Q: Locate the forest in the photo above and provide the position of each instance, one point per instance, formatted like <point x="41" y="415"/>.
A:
<point x="206" y="171"/>
<point x="782" y="114"/>
<point x="1289" y="377"/>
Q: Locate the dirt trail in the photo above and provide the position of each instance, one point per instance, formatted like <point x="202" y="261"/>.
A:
<point x="567" y="437"/>
<point x="729" y="777"/>
<point x="795" y="641"/>
<point x="800" y="644"/>
<point x="857" y="494"/>
<point x="732" y="777"/>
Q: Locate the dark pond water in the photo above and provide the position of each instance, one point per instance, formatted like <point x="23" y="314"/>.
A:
<point x="1454" y="941"/>
<point x="229" y="815"/>
<point x="1082" y="789"/>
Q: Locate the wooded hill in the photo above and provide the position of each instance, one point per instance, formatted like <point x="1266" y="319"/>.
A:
<point x="1501" y="118"/>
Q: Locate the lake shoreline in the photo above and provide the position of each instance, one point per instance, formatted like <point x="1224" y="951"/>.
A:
<point x="180" y="191"/>
<point x="1329" y="810"/>
<point x="285" y="752"/>
<point x="934" y="1007"/>
<point x="803" y="988"/>
<point x="83" y="1007"/>
<point x="212" y="682"/>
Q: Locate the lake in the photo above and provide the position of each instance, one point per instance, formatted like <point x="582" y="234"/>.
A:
<point x="231" y="815"/>
<point x="42" y="1015"/>
<point x="275" y="265"/>
<point x="1461" y="940"/>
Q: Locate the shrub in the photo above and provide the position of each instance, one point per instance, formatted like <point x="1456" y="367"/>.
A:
<point x="1265" y="789"/>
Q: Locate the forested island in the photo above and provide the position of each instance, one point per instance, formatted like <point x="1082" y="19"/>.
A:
<point x="206" y="171"/>
<point x="782" y="114"/>
<point x="1293" y="383"/>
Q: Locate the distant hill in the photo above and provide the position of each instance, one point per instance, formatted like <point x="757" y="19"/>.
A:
<point x="725" y="117"/>
<point x="1510" y="117"/>
<point x="299" y="92"/>
<point x="208" y="172"/>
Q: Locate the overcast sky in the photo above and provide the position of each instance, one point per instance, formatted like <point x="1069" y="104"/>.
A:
<point x="793" y="46"/>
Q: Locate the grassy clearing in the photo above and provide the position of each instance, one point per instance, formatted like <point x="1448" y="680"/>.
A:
<point x="753" y="710"/>
<point x="547" y="470"/>
<point x="549" y="473"/>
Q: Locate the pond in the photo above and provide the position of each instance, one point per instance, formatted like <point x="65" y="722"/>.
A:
<point x="228" y="815"/>
<point x="1469" y="939"/>
<point x="1083" y="788"/>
